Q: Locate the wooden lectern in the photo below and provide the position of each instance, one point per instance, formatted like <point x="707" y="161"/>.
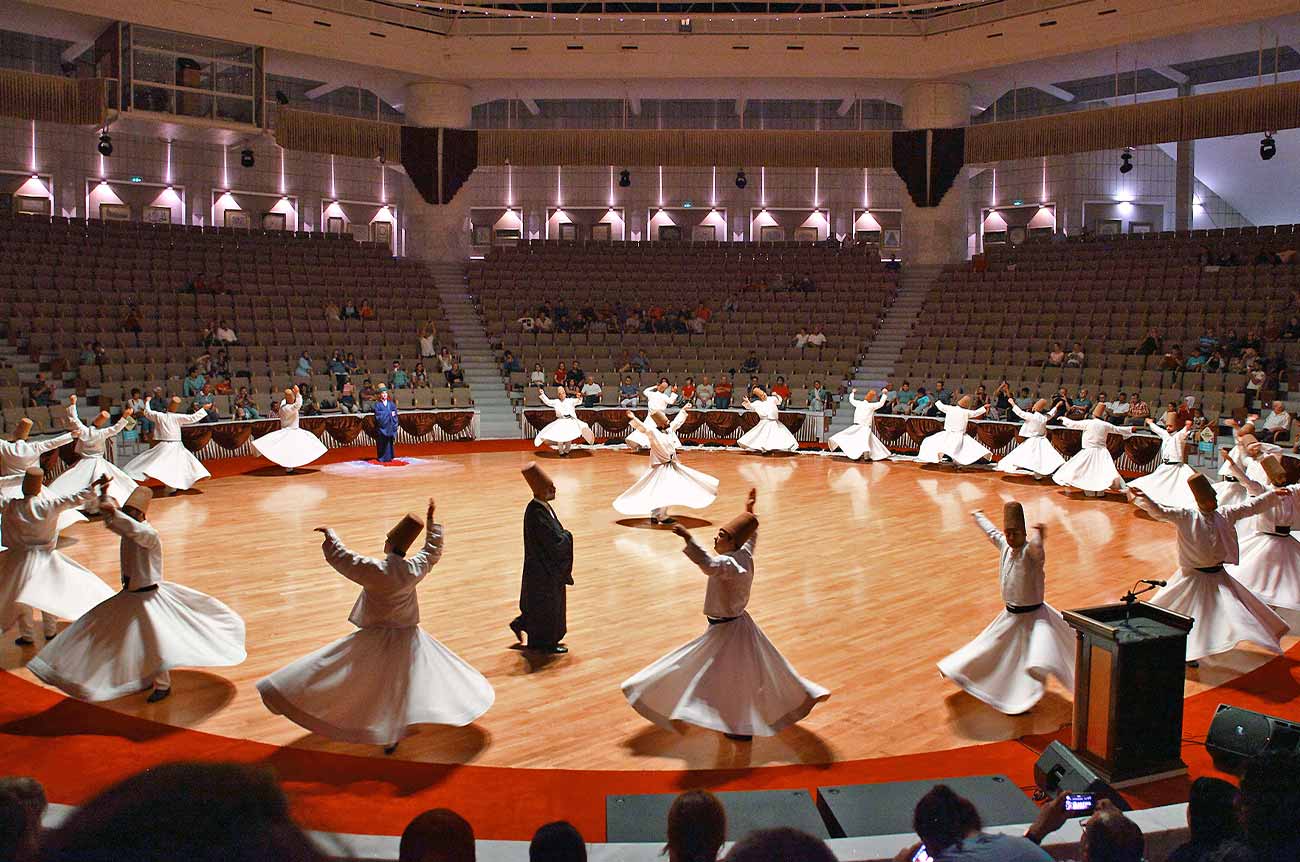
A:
<point x="1128" y="691"/>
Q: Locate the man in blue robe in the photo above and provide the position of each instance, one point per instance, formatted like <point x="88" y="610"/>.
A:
<point x="385" y="425"/>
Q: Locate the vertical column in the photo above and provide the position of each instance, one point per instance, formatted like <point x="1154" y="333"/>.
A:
<point x="937" y="235"/>
<point x="437" y="232"/>
<point x="1185" y="176"/>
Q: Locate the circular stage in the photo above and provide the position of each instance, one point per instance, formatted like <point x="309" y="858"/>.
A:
<point x="867" y="575"/>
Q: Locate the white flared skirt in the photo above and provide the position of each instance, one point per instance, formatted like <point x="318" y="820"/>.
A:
<point x="1270" y="568"/>
<point x="669" y="484"/>
<point x="637" y="441"/>
<point x="859" y="441"/>
<point x="1225" y="611"/>
<point x="375" y="685"/>
<point x="960" y="447"/>
<point x="290" y="447"/>
<point x="170" y="463"/>
<point x="1007" y="665"/>
<point x="120" y="645"/>
<point x="730" y="679"/>
<point x="769" y="435"/>
<point x="565" y="430"/>
<point x="1034" y="455"/>
<point x="1089" y="470"/>
<point x="87" y="470"/>
<point x="45" y="579"/>
<point x="1167" y="485"/>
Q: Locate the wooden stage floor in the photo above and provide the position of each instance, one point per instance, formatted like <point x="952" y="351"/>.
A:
<point x="867" y="575"/>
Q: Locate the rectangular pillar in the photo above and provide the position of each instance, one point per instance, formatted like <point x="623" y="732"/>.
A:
<point x="1184" y="176"/>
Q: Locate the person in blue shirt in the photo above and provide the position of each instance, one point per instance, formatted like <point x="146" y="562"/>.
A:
<point x="193" y="383"/>
<point x="921" y="403"/>
<point x="385" y="425"/>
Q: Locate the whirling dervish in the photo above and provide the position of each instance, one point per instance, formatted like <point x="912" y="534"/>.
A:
<point x="953" y="442"/>
<point x="1167" y="484"/>
<point x="132" y="640"/>
<point x="566" y="427"/>
<point x="859" y="440"/>
<point x="168" y="460"/>
<point x="1007" y="665"/>
<point x="668" y="482"/>
<point x="1035" y="454"/>
<point x="1269" y="564"/>
<point x="769" y="435"/>
<point x="1092" y="469"/>
<point x="18" y="455"/>
<point x="658" y="399"/>
<point x="92" y="446"/>
<point x="1246" y="450"/>
<point x="291" y="447"/>
<point x="376" y="684"/>
<point x="33" y="573"/>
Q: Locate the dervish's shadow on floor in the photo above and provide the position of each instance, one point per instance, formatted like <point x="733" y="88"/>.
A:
<point x="1027" y="481"/>
<point x="552" y="455"/>
<point x="537" y="662"/>
<point x="431" y="744"/>
<point x="277" y="472"/>
<point x="975" y="720"/>
<point x="644" y="523"/>
<point x="1109" y="498"/>
<point x="698" y="748"/>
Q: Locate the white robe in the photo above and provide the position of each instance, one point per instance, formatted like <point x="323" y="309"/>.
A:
<point x="668" y="482"/>
<point x="374" y="685"/>
<point x="1225" y="611"/>
<point x="1092" y="468"/>
<point x="1269" y="561"/>
<point x="19" y="456"/>
<point x="33" y="572"/>
<point x="92" y="446"/>
<point x="657" y="404"/>
<point x="1006" y="666"/>
<point x="566" y="427"/>
<point x="859" y="439"/>
<point x="731" y="678"/>
<point x="1167" y="484"/>
<point x="168" y="460"/>
<point x="291" y="446"/>
<point x="121" y="645"/>
<point x="769" y="435"/>
<point x="1035" y="454"/>
<point x="953" y="441"/>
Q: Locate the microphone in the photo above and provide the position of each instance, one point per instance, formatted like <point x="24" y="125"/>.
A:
<point x="1155" y="583"/>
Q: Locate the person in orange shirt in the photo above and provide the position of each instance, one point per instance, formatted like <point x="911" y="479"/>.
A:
<point x="367" y="311"/>
<point x="722" y="393"/>
<point x="781" y="389"/>
<point x="688" y="391"/>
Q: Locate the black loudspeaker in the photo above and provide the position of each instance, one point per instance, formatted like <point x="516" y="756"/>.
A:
<point x="1239" y="732"/>
<point x="1058" y="770"/>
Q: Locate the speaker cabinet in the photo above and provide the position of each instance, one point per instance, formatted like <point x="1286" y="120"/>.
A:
<point x="1241" y="733"/>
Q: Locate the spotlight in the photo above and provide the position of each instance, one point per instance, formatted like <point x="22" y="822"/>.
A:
<point x="246" y="158"/>
<point x="684" y="25"/>
<point x="1126" y="162"/>
<point x="1267" y="147"/>
<point x="624" y="178"/>
<point x="741" y="182"/>
<point x="105" y="144"/>
<point x="281" y="97"/>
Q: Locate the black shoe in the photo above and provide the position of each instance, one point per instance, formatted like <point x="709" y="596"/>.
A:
<point x="24" y="641"/>
<point x="553" y="649"/>
<point x="158" y="694"/>
<point x="518" y="630"/>
<point x="389" y="749"/>
<point x="739" y="737"/>
<point x="1193" y="664"/>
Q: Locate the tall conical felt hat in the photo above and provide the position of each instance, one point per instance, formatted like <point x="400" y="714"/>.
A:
<point x="23" y="428"/>
<point x="872" y="394"/>
<point x="965" y="402"/>
<point x="174" y="404"/>
<point x="1202" y="490"/>
<point x="32" y="481"/>
<point x="1040" y="405"/>
<point x="1170" y="419"/>
<point x="1098" y="410"/>
<point x="1013" y="516"/>
<point x="537" y="479"/>
<point x="1246" y="440"/>
<point x="101" y="419"/>
<point x="1246" y="428"/>
<point x="405" y="532"/>
<point x="741" y="528"/>
<point x="139" y="500"/>
<point x="1273" y="468"/>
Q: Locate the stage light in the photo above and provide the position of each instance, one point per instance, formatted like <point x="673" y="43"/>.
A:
<point x="105" y="144"/>
<point x="624" y="178"/>
<point x="246" y="158"/>
<point x="741" y="182"/>
<point x="1126" y="162"/>
<point x="1267" y="147"/>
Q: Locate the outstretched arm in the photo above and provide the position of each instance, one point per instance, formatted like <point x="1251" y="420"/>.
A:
<point x="1154" y="509"/>
<point x="1254" y="505"/>
<point x="884" y="398"/>
<point x="191" y="418"/>
<point x="1024" y="416"/>
<point x="42" y="446"/>
<point x="679" y="419"/>
<point x="637" y="423"/>
<point x="990" y="529"/>
<point x="711" y="565"/>
<point x="124" y="525"/>
<point x="975" y="414"/>
<point x="1255" y="488"/>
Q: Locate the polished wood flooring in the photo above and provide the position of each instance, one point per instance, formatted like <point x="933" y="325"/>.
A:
<point x="867" y="575"/>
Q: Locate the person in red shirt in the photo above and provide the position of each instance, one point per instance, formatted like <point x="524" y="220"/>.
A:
<point x="688" y="391"/>
<point x="561" y="375"/>
<point x="722" y="393"/>
<point x="781" y="389"/>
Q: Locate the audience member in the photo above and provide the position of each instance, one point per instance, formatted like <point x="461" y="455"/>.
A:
<point x="722" y="393"/>
<point x="1277" y="426"/>
<point x="780" y="845"/>
<point x="628" y="393"/>
<point x="950" y="829"/>
<point x="819" y="397"/>
<point x="428" y="339"/>
<point x="438" y="835"/>
<point x="697" y="827"/>
<point x="1151" y="344"/>
<point x="1055" y="356"/>
<point x="561" y="375"/>
<point x="817" y="338"/>
<point x="455" y="376"/>
<point x="348" y="397"/>
<point x="590" y="392"/>
<point x="1075" y="358"/>
<point x="538" y="375"/>
<point x="1267" y="802"/>
<point x="397" y="377"/>
<point x="510" y="365"/>
<point x="557" y="842"/>
<point x="1211" y="819"/>
<point x="704" y="394"/>
<point x="922" y="402"/>
<point x="40" y="393"/>
<point x="419" y="376"/>
<point x="904" y="397"/>
<point x="225" y="334"/>
<point x="22" y="805"/>
<point x="367" y="311"/>
<point x="576" y="375"/>
<point x="303" y="369"/>
<point x="350" y="310"/>
<point x="780" y="388"/>
<point x="1108" y="836"/>
<point x="688" y="391"/>
<point x="1138" y="410"/>
<point x="751" y="364"/>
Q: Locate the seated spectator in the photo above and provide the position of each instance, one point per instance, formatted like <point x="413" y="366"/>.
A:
<point x="922" y="403"/>
<point x="1150" y="345"/>
<point x="428" y="341"/>
<point x="338" y="368"/>
<point x="1197" y="362"/>
<point x="544" y="323"/>
<point x="590" y="392"/>
<point x="557" y="842"/>
<point x="1267" y="802"/>
<point x="87" y="355"/>
<point x="1208" y="342"/>
<point x="527" y="323"/>
<point x="704" y="394"/>
<point x="350" y="363"/>
<point x="1082" y="401"/>
<point x="1002" y="401"/>
<point x="628" y="393"/>
<point x="1055" y="356"/>
<point x="950" y="829"/>
<point x="193" y="382"/>
<point x="1138" y="410"/>
<point x="1211" y="820"/>
<point x="780" y="845"/>
<point x="1075" y="358"/>
<point x="1117" y="410"/>
<point x="561" y="375"/>
<point x="225" y="334"/>
<point x="40" y="393"/>
<point x="455" y="376"/>
<point x="697" y="325"/>
<point x="1215" y="362"/>
<point x="576" y="375"/>
<point x="366" y="312"/>
<point x="697" y="827"/>
<point x="750" y="365"/>
<point x="445" y="359"/>
<point x="981" y="397"/>
<point x="781" y="389"/>
<point x="368" y="395"/>
<point x="510" y="365"/>
<point x="419" y="376"/>
<point x="1277" y="425"/>
<point x="159" y="401"/>
<point x="817" y="338"/>
<point x="398" y="378"/>
<point x="348" y="397"/>
<point x="207" y="400"/>
<point x="1174" y="359"/>
<point x="940" y="394"/>
<point x="1291" y="331"/>
<point x="137" y="404"/>
<point x="131" y="322"/>
<point x="640" y="363"/>
<point x="439" y="835"/>
<point x="819" y="397"/>
<point x="801" y="339"/>
<point x="191" y="811"/>
<point x="22" y="805"/>
<point x="332" y="311"/>
<point x="904" y="397"/>
<point x="1108" y="836"/>
<point x="243" y="407"/>
<point x="303" y="369"/>
<point x="1026" y="399"/>
<point x="1061" y="398"/>
<point x="722" y="393"/>
<point x="688" y="391"/>
<point x="537" y="377"/>
<point x="350" y="311"/>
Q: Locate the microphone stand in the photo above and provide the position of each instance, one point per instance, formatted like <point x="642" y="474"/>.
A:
<point x="1130" y="598"/>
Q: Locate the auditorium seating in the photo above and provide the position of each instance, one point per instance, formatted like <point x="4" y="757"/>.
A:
<point x="851" y="291"/>
<point x="65" y="282"/>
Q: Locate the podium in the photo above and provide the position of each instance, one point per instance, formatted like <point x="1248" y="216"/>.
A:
<point x="1128" y="691"/>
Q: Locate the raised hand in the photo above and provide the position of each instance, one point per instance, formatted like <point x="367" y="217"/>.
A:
<point x="751" y="500"/>
<point x="321" y="530"/>
<point x="128" y="412"/>
<point x="681" y="531"/>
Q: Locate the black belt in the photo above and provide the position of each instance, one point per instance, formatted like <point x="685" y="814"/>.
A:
<point x="1023" y="609"/>
<point x="148" y="589"/>
<point x="717" y="621"/>
<point x="1281" y="531"/>
<point x="1210" y="570"/>
<point x="1171" y="463"/>
<point x="1229" y="479"/>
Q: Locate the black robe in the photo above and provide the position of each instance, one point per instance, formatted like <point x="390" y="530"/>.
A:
<point x="548" y="569"/>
